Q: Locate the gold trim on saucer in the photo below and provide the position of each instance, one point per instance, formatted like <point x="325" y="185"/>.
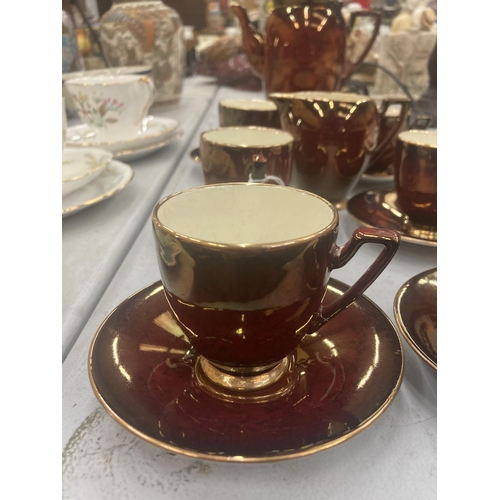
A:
<point x="97" y="199"/>
<point x="152" y="147"/>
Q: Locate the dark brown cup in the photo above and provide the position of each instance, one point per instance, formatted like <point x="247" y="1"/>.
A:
<point x="245" y="269"/>
<point x="335" y="133"/>
<point x="246" y="112"/>
<point x="415" y="176"/>
<point x="228" y="153"/>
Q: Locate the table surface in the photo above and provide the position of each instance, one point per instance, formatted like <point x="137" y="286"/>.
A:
<point x="108" y="255"/>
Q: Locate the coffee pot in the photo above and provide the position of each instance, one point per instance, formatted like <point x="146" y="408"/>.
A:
<point x="304" y="45"/>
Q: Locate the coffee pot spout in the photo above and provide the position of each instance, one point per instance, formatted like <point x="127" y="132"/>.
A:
<point x="253" y="42"/>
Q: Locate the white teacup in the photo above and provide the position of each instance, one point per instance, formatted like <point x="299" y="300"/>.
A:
<point x="114" y="107"/>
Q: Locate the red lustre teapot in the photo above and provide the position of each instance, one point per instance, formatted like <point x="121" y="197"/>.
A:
<point x="304" y="45"/>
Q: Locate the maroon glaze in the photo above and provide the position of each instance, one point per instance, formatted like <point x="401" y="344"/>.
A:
<point x="415" y="310"/>
<point x="232" y="163"/>
<point x="334" y="140"/>
<point x="237" y="117"/>
<point x="303" y="47"/>
<point x="251" y="306"/>
<point x="415" y="177"/>
<point x="141" y="367"/>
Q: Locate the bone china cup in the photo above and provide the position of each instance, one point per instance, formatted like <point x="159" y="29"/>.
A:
<point x="114" y="107"/>
<point x="335" y="133"/>
<point x="415" y="176"/>
<point x="245" y="268"/>
<point x="228" y="153"/>
<point x="248" y="112"/>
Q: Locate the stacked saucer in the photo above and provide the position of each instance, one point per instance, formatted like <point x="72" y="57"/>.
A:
<point x="90" y="175"/>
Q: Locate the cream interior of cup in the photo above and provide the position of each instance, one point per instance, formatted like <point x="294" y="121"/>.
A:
<point x="420" y="137"/>
<point x="249" y="105"/>
<point x="246" y="214"/>
<point x="242" y="137"/>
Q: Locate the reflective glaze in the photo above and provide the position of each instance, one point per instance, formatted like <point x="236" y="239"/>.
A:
<point x="233" y="162"/>
<point x="335" y="134"/>
<point x="303" y="47"/>
<point x="240" y="112"/>
<point x="415" y="176"/>
<point x="381" y="209"/>
<point x="141" y="367"/>
<point x="247" y="305"/>
<point x="415" y="310"/>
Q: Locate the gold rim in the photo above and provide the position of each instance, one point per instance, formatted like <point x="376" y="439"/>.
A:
<point x="252" y="246"/>
<point x="399" y="320"/>
<point x="131" y="78"/>
<point x="238" y="458"/>
<point x="104" y="196"/>
<point x="227" y="104"/>
<point x="274" y="131"/>
<point x="323" y="96"/>
<point x="152" y="147"/>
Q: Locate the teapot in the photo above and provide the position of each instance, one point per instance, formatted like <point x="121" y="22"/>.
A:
<point x="304" y="45"/>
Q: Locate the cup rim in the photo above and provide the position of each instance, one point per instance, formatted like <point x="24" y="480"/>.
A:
<point x="323" y="96"/>
<point x="246" y="105"/>
<point x="247" y="246"/>
<point x="406" y="137"/>
<point x="275" y="131"/>
<point x="98" y="80"/>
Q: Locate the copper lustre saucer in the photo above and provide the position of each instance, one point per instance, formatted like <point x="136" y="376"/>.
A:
<point x="379" y="209"/>
<point x="415" y="310"/>
<point x="141" y="368"/>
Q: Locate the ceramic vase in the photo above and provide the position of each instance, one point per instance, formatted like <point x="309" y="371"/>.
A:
<point x="147" y="32"/>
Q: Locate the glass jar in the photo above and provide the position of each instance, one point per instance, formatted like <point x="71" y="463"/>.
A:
<point x="145" y="32"/>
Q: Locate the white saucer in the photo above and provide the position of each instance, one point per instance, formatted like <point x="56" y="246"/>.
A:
<point x="81" y="166"/>
<point x="156" y="133"/>
<point x="112" y="180"/>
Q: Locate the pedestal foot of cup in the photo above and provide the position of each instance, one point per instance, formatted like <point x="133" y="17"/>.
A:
<point x="266" y="384"/>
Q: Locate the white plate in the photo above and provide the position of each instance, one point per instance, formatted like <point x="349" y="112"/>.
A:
<point x="81" y="166"/>
<point x="112" y="180"/>
<point x="156" y="133"/>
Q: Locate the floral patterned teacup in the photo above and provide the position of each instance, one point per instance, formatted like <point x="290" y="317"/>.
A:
<point x="229" y="154"/>
<point x="114" y="107"/>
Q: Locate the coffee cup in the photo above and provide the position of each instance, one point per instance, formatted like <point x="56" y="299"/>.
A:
<point x="114" y="107"/>
<point x="228" y="154"/>
<point x="415" y="176"/>
<point x="248" y="112"/>
<point x="245" y="269"/>
<point x="335" y="134"/>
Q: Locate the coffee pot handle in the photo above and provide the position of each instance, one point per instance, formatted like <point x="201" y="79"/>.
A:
<point x="405" y="108"/>
<point x="377" y="17"/>
<point x="388" y="238"/>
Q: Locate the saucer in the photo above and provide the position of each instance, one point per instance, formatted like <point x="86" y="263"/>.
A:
<point x="415" y="310"/>
<point x="112" y="180"/>
<point x="379" y="209"/>
<point x="141" y="368"/>
<point x="81" y="166"/>
<point x="157" y="133"/>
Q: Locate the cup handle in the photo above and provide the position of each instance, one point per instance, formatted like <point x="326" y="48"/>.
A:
<point x="258" y="175"/>
<point x="377" y="17"/>
<point x="342" y="255"/>
<point x="405" y="108"/>
<point x="146" y="80"/>
<point x="425" y="119"/>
